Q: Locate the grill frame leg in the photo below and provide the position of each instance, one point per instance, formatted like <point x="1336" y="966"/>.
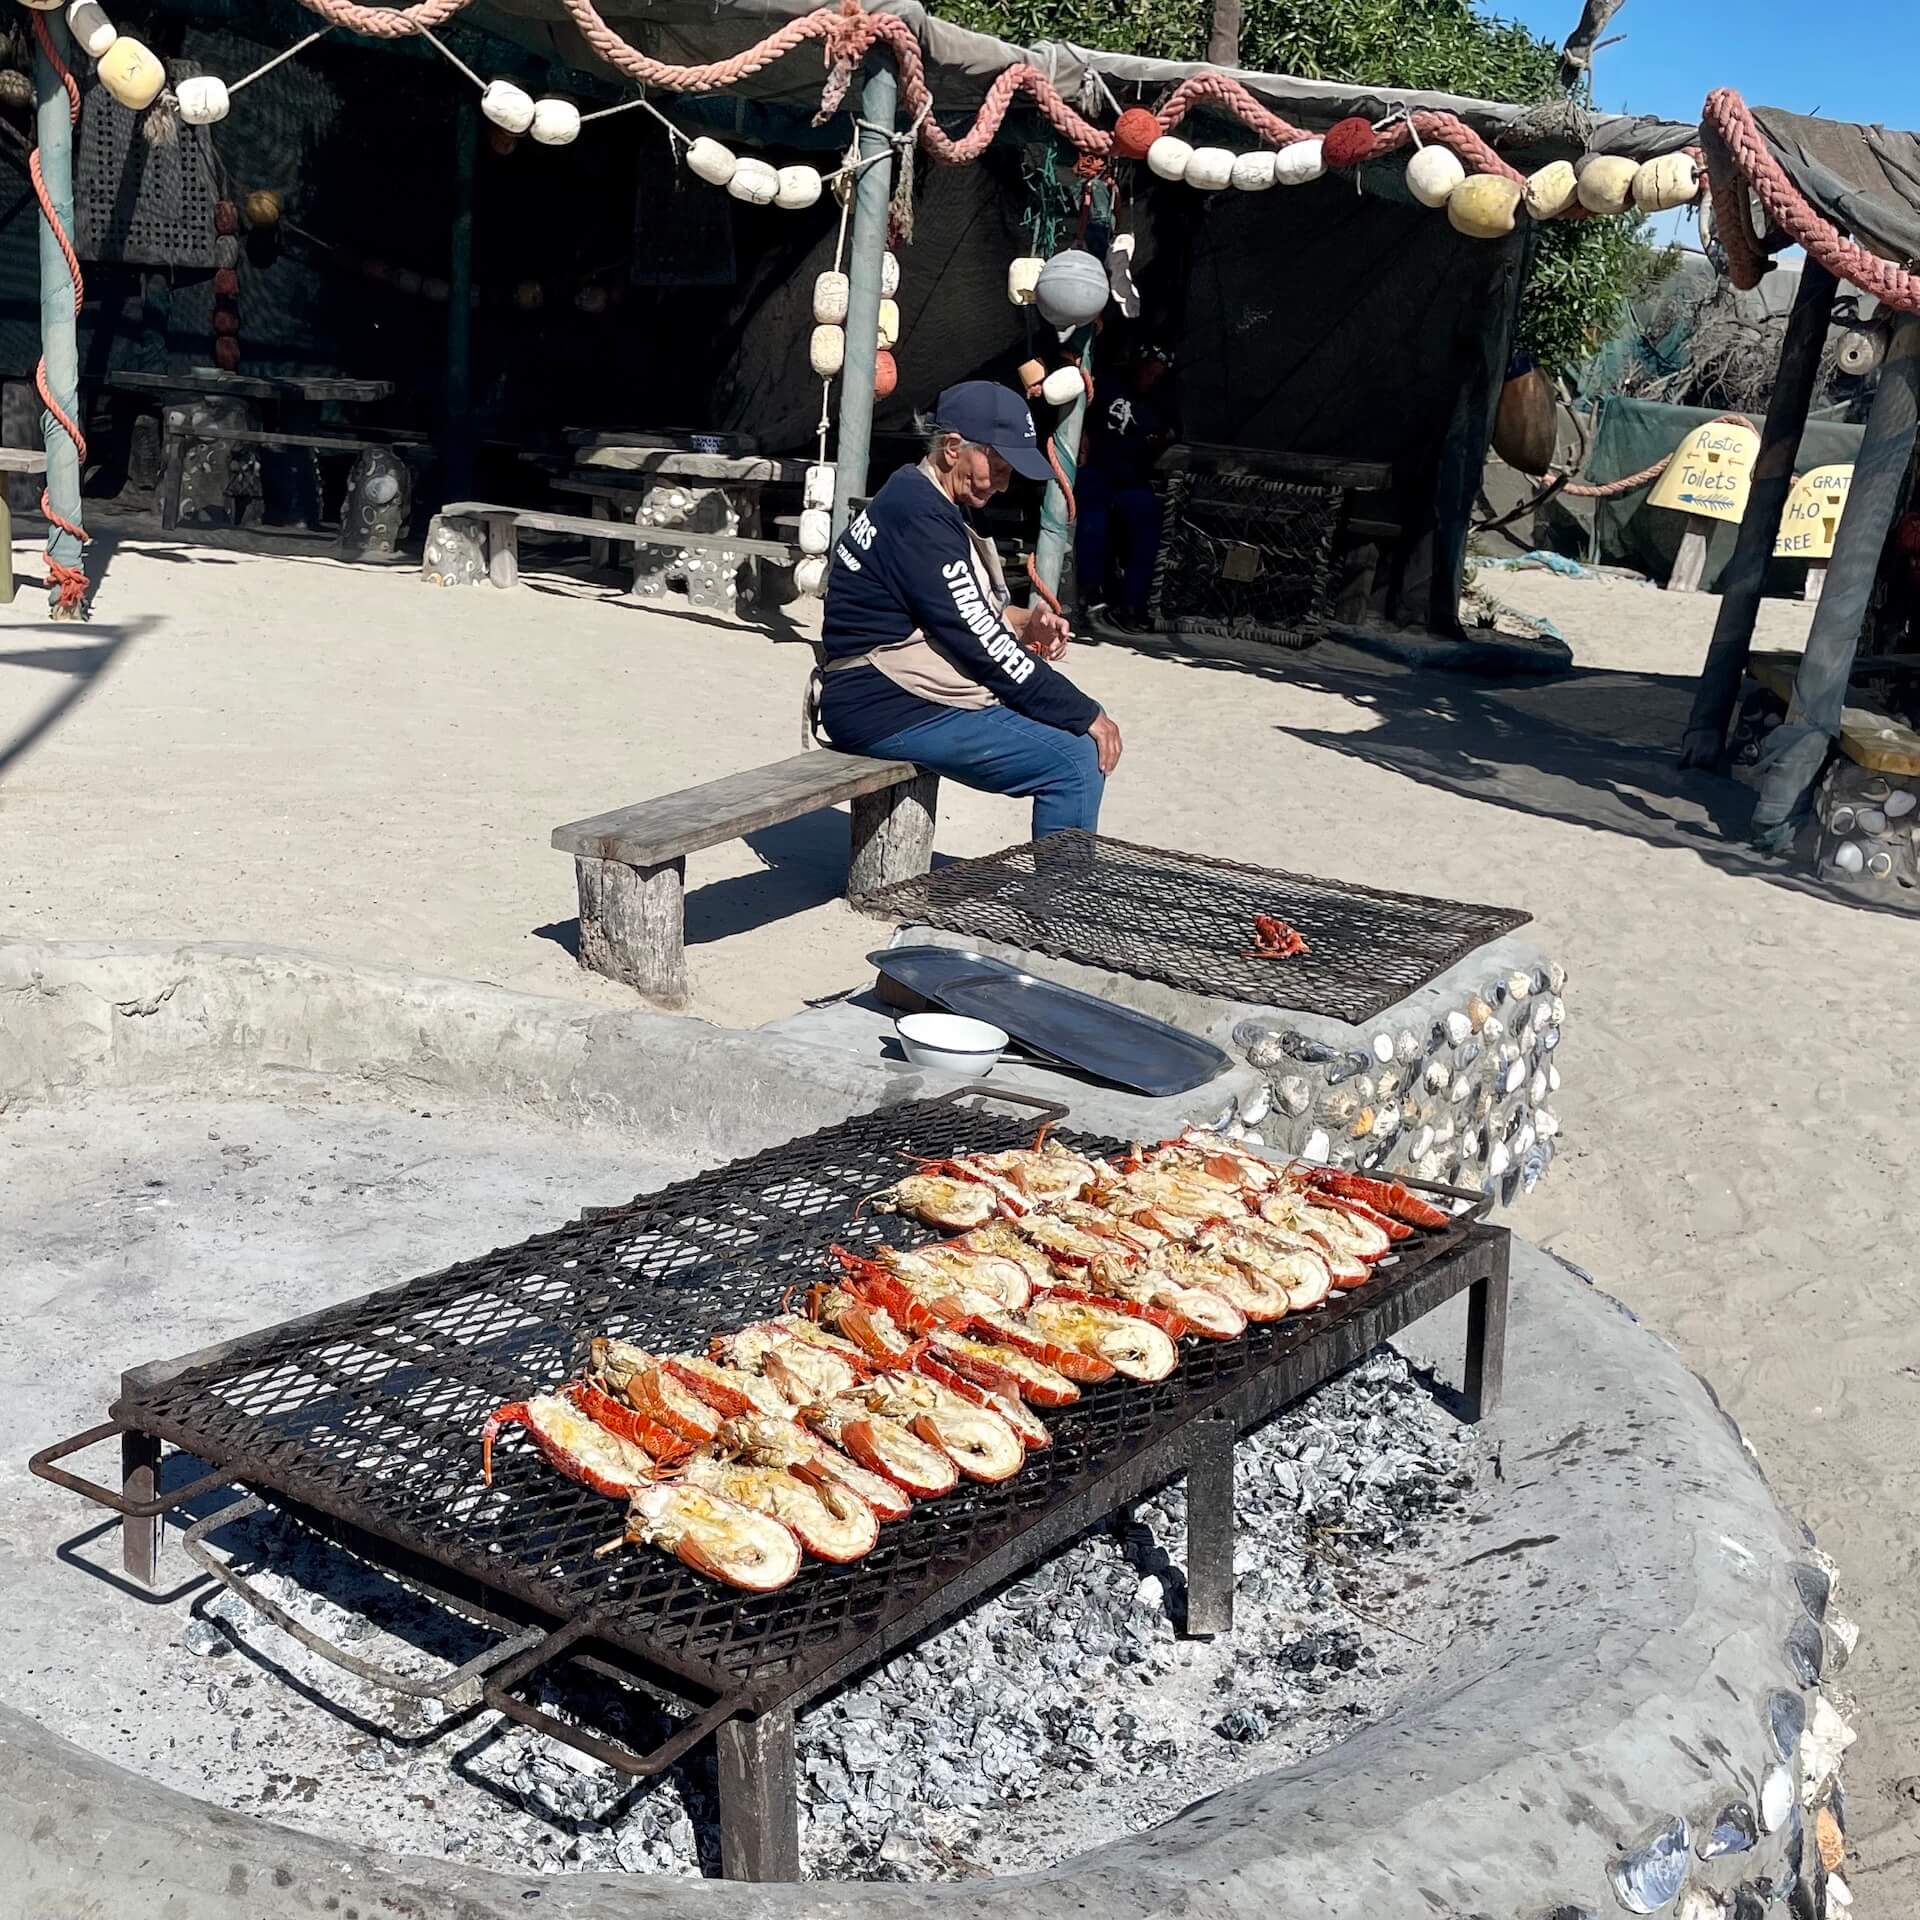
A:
<point x="1210" y="1529"/>
<point x="759" y="1802"/>
<point x="140" y="1480"/>
<point x="1486" y="1364"/>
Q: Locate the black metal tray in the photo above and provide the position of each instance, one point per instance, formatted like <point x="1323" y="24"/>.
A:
<point x="1062" y="1024"/>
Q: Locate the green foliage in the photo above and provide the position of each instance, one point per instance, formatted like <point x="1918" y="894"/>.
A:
<point x="1584" y="274"/>
<point x="1586" y="270"/>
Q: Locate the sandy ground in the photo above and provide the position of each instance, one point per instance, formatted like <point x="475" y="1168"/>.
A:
<point x="285" y="750"/>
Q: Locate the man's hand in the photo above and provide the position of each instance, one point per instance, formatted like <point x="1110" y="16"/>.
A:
<point x="1106" y="741"/>
<point x="1046" y="633"/>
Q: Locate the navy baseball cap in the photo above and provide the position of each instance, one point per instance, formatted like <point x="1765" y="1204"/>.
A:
<point x="993" y="416"/>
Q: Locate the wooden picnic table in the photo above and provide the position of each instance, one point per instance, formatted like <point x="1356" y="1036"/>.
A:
<point x="215" y="383"/>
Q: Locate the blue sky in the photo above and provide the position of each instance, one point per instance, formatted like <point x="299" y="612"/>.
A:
<point x="1778" y="53"/>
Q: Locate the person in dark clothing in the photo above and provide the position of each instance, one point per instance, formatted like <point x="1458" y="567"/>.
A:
<point x="926" y="660"/>
<point x="1129" y="433"/>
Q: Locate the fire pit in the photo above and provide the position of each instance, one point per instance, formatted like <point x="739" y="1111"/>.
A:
<point x="363" y="1419"/>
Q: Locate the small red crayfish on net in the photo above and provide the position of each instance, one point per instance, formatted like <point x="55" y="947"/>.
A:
<point x="1275" y="940"/>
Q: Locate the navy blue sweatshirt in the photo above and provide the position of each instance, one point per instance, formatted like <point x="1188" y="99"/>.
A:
<point x="906" y="563"/>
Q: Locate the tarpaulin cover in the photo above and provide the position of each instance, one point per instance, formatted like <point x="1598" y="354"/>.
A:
<point x="1632" y="434"/>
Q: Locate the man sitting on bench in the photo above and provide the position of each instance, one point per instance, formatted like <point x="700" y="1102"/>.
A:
<point x="927" y="662"/>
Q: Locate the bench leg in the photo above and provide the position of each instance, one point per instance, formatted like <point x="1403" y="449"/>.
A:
<point x="600" y="552"/>
<point x="1487" y="1338"/>
<point x="503" y="550"/>
<point x="633" y="926"/>
<point x="172" y="477"/>
<point x="1210" y="1529"/>
<point x="893" y="835"/>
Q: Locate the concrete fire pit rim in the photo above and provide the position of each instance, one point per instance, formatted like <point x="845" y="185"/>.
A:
<point x="1601" y="1734"/>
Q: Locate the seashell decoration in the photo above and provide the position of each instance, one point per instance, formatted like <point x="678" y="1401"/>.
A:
<point x="1901" y="802"/>
<point x="1553" y="1078"/>
<point x="1871" y="820"/>
<point x="1519" y="985"/>
<point x="1849" y="856"/>
<point x="1317" y="1146"/>
<point x="1459" y="1028"/>
<point x="1436" y="1076"/>
<point x="1293" y="1094"/>
<point x="1546" y="1123"/>
<point x="1383" y="1048"/>
<point x="1499" y="1159"/>
<point x="1479" y="1013"/>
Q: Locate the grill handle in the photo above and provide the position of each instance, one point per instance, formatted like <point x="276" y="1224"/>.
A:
<point x="500" y="1696"/>
<point x="42" y="1467"/>
<point x="458" y="1690"/>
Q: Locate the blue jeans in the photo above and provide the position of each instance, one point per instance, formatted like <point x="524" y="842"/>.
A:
<point x="999" y="751"/>
<point x="1102" y="500"/>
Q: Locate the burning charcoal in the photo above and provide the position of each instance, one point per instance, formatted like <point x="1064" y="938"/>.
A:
<point x="1245" y="1726"/>
<point x="203" y="1637"/>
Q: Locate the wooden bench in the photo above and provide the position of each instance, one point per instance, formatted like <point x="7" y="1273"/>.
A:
<point x="180" y="435"/>
<point x="631" y="865"/>
<point x="501" y="529"/>
<point x="1868" y="738"/>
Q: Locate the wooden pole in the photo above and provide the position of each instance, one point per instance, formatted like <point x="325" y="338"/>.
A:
<point x="59" y="335"/>
<point x="1705" y="742"/>
<point x="1056" y="532"/>
<point x="466" y="148"/>
<point x="1223" y="39"/>
<point x="868" y="247"/>
<point x="1797" y="750"/>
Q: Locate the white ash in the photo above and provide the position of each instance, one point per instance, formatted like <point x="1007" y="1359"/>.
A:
<point x="1064" y="1711"/>
<point x="1060" y="1713"/>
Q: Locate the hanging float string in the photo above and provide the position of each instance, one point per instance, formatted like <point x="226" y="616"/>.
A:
<point x="299" y="46"/>
<point x="69" y="583"/>
<point x="839" y="260"/>
<point x="434" y="41"/>
<point x="1740" y="153"/>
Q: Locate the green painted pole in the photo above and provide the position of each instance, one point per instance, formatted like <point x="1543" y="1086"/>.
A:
<point x="466" y="154"/>
<point x="873" y="189"/>
<point x="1056" y="532"/>
<point x="59" y="335"/>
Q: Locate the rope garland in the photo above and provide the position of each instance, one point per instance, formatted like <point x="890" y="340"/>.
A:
<point x="69" y="583"/>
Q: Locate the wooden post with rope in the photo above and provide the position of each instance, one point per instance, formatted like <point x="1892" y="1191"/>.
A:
<point x="872" y="190"/>
<point x="57" y="108"/>
<point x="1705" y="744"/>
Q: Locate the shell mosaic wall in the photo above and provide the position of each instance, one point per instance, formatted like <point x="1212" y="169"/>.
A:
<point x="1464" y="1097"/>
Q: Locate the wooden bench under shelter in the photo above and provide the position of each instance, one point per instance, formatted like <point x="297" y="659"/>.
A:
<point x="1868" y="738"/>
<point x="631" y="864"/>
<point x="471" y="540"/>
<point x="181" y="435"/>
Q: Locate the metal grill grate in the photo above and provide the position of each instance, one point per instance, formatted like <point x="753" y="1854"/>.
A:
<point x="370" y="1411"/>
<point x="1247" y="556"/>
<point x="1187" y="921"/>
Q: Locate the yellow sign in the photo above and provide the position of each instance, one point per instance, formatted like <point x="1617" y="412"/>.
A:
<point x="1710" y="471"/>
<point x="1812" y="515"/>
